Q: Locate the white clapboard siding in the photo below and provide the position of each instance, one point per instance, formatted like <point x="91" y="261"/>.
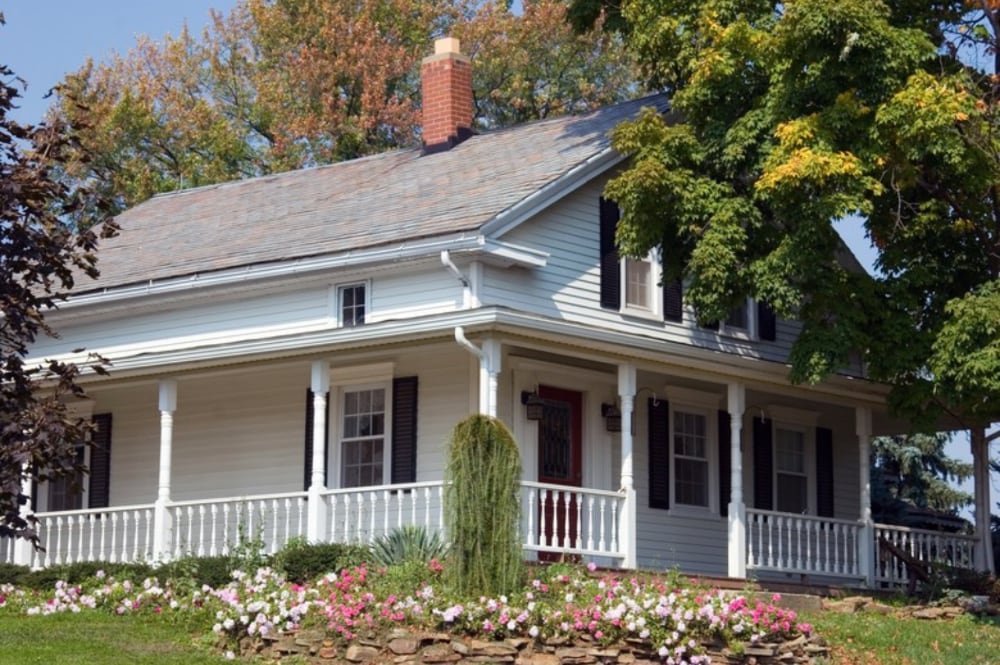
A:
<point x="407" y="295"/>
<point x="568" y="287"/>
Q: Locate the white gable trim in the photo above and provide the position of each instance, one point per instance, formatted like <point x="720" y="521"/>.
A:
<point x="545" y="197"/>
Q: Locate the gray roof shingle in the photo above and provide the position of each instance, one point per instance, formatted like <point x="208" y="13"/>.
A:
<point x="362" y="203"/>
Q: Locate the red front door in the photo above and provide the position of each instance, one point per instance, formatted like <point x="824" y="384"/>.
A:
<point x="559" y="463"/>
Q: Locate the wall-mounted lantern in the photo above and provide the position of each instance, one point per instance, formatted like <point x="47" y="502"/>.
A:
<point x="533" y="405"/>
<point x="612" y="417"/>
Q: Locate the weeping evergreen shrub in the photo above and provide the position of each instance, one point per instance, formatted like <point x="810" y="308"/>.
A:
<point x="482" y="508"/>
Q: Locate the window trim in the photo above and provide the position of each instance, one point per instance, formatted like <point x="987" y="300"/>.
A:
<point x="338" y="302"/>
<point x="705" y="405"/>
<point x="751" y="332"/>
<point x="655" y="289"/>
<point x="352" y="379"/>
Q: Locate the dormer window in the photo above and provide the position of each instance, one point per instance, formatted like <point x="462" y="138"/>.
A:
<point x="353" y="304"/>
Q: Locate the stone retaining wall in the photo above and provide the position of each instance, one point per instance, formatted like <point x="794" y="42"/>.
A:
<point x="402" y="647"/>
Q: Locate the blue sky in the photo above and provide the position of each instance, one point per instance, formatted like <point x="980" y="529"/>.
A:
<point x="46" y="39"/>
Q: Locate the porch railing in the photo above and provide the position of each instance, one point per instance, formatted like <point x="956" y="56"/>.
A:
<point x="104" y="534"/>
<point x="571" y="520"/>
<point x="214" y="527"/>
<point x="558" y="520"/>
<point x="803" y="544"/>
<point x="932" y="547"/>
<point x="6" y="550"/>
<point x="361" y="515"/>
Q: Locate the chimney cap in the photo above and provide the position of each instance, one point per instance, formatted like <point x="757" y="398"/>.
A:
<point x="446" y="45"/>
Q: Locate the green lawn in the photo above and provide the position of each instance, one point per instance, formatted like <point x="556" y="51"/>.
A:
<point x="874" y="638"/>
<point x="99" y="639"/>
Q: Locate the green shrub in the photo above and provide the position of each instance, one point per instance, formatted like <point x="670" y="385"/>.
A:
<point x="215" y="571"/>
<point x="303" y="562"/>
<point x="75" y="573"/>
<point x="12" y="574"/>
<point x="407" y="543"/>
<point x="481" y="502"/>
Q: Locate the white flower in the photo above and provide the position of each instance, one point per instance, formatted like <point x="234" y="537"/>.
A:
<point x="533" y="631"/>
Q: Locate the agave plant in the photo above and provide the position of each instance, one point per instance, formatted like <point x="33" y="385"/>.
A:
<point x="408" y="543"/>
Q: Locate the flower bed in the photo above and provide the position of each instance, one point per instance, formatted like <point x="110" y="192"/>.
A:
<point x="569" y="614"/>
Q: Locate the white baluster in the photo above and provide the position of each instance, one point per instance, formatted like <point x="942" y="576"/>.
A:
<point x="590" y="522"/>
<point x="602" y="507"/>
<point x="114" y="538"/>
<point x="614" y="526"/>
<point x="360" y="500"/>
<point x="401" y="496"/>
<point x="373" y="506"/>
<point x="274" y="526"/>
<point x="104" y="530"/>
<point x="333" y="502"/>
<point x="289" y="503"/>
<point x="544" y="532"/>
<point x="213" y="534"/>
<point x="579" y="527"/>
<point x="225" y="529"/>
<point x="385" y="516"/>
<point x="91" y="528"/>
<point x="201" y="530"/>
<point x="530" y="509"/>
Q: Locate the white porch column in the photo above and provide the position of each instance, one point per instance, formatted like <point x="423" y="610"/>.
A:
<point x="981" y="488"/>
<point x="489" y="377"/>
<point x="162" y="541"/>
<point x="866" y="546"/>
<point x="629" y="516"/>
<point x="316" y="516"/>
<point x="23" y="549"/>
<point x="736" y="405"/>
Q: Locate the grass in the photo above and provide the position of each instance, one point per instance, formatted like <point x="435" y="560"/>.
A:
<point x="874" y="638"/>
<point x="99" y="639"/>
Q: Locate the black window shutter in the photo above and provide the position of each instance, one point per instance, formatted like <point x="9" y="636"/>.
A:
<point x="824" y="472"/>
<point x="99" y="491"/>
<point x="766" y="322"/>
<point x="404" y="429"/>
<point x="763" y="475"/>
<point x="610" y="271"/>
<point x="307" y="467"/>
<point x="673" y="301"/>
<point x="659" y="454"/>
<point x="725" y="462"/>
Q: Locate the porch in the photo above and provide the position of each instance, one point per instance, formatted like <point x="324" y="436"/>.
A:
<point x="557" y="521"/>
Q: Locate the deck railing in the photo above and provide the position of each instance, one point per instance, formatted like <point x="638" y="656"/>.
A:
<point x="934" y="547"/>
<point x="360" y="515"/>
<point x="103" y="534"/>
<point x="214" y="527"/>
<point x="571" y="520"/>
<point x="6" y="550"/>
<point x="803" y="544"/>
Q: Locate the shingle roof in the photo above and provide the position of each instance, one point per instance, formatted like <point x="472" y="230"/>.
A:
<point x="361" y="203"/>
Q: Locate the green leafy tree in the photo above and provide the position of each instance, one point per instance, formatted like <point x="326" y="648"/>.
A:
<point x="482" y="508"/>
<point x="791" y="115"/>
<point x="281" y="84"/>
<point x="41" y="259"/>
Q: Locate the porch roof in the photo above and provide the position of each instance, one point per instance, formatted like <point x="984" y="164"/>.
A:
<point x="377" y="201"/>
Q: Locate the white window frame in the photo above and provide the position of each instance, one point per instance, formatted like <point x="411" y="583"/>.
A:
<point x="750" y="331"/>
<point x="338" y="302"/>
<point x="655" y="308"/>
<point x="706" y="405"/>
<point x="803" y="422"/>
<point x="353" y="379"/>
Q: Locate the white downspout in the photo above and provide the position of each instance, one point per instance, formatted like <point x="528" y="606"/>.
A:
<point x="489" y="370"/>
<point x="453" y="269"/>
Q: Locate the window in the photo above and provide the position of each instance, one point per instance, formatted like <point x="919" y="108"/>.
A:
<point x="66" y="492"/>
<point x="363" y="444"/>
<point x="352" y="305"/>
<point x="691" y="460"/>
<point x="791" y="477"/>
<point x="741" y="320"/>
<point x="641" y="278"/>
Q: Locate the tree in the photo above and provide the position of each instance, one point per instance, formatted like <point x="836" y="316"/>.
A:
<point x="280" y="84"/>
<point x="914" y="472"/>
<point x="41" y="259"/>
<point x="483" y="508"/>
<point x="796" y="114"/>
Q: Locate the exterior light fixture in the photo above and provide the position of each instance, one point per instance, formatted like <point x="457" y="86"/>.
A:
<point x="612" y="417"/>
<point x="533" y="405"/>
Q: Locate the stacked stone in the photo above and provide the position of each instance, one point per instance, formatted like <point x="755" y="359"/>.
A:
<point x="402" y="647"/>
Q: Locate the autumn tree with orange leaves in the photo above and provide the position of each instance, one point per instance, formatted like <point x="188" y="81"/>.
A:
<point x="281" y="84"/>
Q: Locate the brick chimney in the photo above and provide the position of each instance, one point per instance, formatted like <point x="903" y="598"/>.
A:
<point x="446" y="86"/>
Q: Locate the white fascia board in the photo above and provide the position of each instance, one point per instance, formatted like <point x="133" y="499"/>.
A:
<point x="577" y="340"/>
<point x="543" y="198"/>
<point x="465" y="243"/>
